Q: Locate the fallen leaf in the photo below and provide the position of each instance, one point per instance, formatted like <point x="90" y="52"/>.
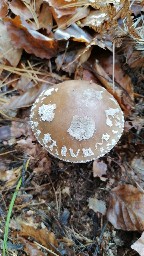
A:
<point x="24" y="37"/>
<point x="10" y="177"/>
<point x="119" y="93"/>
<point x="74" y="32"/>
<point x="45" y="18"/>
<point x="99" y="168"/>
<point x="30" y="248"/>
<point x="20" y="9"/>
<point x="126" y="208"/>
<point x="3" y="8"/>
<point x="139" y="245"/>
<point x="25" y="99"/>
<point x="138" y="165"/>
<point x="124" y="80"/>
<point x="7" y="50"/>
<point x="42" y="236"/>
<point x="5" y="132"/>
<point x="97" y="205"/>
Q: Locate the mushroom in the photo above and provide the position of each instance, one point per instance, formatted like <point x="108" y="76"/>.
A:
<point x="77" y="121"/>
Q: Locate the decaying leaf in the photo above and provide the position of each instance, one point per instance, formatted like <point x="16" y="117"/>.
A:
<point x="9" y="177"/>
<point x="139" y="245"/>
<point x="3" y="8"/>
<point x="97" y="205"/>
<point x="45" y="18"/>
<point x="20" y="9"/>
<point x="26" y="99"/>
<point x="124" y="80"/>
<point x="7" y="50"/>
<point x="30" y="248"/>
<point x="138" y="165"/>
<point x="74" y="32"/>
<point x="24" y="37"/>
<point x="43" y="236"/>
<point x="118" y="92"/>
<point x="99" y="168"/>
<point x="126" y="208"/>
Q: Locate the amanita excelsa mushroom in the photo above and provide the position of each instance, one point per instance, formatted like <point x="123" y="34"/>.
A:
<point x="77" y="121"/>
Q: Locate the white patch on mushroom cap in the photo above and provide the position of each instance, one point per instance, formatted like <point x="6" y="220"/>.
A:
<point x="74" y="154"/>
<point x="82" y="128"/>
<point x="87" y="152"/>
<point x="46" y="112"/>
<point x="48" y="92"/>
<point x="113" y="142"/>
<point x="113" y="99"/>
<point x="102" y="150"/>
<point x="114" y="131"/>
<point x="91" y="95"/>
<point x="63" y="151"/>
<point x="37" y="100"/>
<point x="38" y="132"/>
<point x="35" y="124"/>
<point x="31" y="115"/>
<point x="54" y="144"/>
<point x="110" y="112"/>
<point x="47" y="138"/>
<point x="105" y="137"/>
<point x="56" y="152"/>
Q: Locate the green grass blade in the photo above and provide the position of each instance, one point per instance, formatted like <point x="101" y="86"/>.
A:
<point x="9" y="216"/>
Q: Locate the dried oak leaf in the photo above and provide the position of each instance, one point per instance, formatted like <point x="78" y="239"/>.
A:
<point x="23" y="36"/>
<point x="126" y="208"/>
<point x="139" y="245"/>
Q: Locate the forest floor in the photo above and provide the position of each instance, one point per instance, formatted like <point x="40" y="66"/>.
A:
<point x="51" y="207"/>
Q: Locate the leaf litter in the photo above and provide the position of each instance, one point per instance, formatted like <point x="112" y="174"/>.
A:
<point x="64" y="208"/>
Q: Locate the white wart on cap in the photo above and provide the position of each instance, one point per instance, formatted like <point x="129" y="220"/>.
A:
<point x="77" y="121"/>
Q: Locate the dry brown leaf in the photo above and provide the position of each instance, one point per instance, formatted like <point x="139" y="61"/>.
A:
<point x="74" y="32"/>
<point x="139" y="245"/>
<point x="24" y="37"/>
<point x="99" y="168"/>
<point x="137" y="164"/>
<point x="26" y="99"/>
<point x="94" y="19"/>
<point x="30" y="248"/>
<point x="118" y="92"/>
<point x="7" y="50"/>
<point x="67" y="20"/>
<point x="120" y="77"/>
<point x="69" y="61"/>
<point x="20" y="9"/>
<point x="126" y="208"/>
<point x="59" y="7"/>
<point x="39" y="160"/>
<point x="45" y="18"/>
<point x="10" y="177"/>
<point x="3" y="8"/>
<point x="97" y="205"/>
<point x="42" y="236"/>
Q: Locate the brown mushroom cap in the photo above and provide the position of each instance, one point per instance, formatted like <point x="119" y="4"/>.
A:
<point x="77" y="121"/>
